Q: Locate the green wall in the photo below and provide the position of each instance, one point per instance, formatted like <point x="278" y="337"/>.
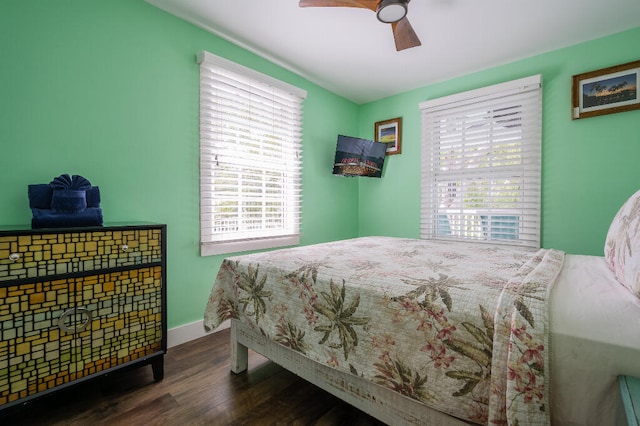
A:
<point x="108" y="89"/>
<point x="590" y="166"/>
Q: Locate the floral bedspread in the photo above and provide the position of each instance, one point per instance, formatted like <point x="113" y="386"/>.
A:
<point x="461" y="327"/>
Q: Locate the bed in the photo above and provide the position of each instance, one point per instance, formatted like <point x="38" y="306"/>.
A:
<point x="445" y="333"/>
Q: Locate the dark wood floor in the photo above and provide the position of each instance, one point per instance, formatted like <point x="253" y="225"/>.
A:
<point x="198" y="389"/>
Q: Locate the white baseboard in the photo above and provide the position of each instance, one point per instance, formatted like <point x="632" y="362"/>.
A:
<point x="185" y="333"/>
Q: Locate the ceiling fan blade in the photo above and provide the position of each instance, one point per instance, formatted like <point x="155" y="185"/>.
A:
<point x="365" y="4"/>
<point x="404" y="35"/>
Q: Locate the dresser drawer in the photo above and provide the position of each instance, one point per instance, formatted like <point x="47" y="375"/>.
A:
<point x="38" y="255"/>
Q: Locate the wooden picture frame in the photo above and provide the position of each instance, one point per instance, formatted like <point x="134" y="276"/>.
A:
<point x="390" y="132"/>
<point x="605" y="91"/>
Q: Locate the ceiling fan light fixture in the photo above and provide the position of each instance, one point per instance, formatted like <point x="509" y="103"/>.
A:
<point x="390" y="11"/>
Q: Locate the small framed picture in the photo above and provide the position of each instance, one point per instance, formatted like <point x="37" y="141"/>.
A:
<point x="605" y="91"/>
<point x="390" y="132"/>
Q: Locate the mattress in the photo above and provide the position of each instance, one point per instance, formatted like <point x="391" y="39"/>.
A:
<point x="595" y="336"/>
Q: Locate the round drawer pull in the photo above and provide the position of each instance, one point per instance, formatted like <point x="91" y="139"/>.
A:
<point x="125" y="247"/>
<point x="14" y="257"/>
<point x="78" y="320"/>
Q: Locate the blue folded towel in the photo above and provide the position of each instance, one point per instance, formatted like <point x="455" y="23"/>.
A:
<point x="93" y="196"/>
<point x="43" y="218"/>
<point x="40" y="196"/>
<point x="67" y="201"/>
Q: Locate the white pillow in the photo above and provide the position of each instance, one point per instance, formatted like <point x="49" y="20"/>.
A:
<point x="622" y="247"/>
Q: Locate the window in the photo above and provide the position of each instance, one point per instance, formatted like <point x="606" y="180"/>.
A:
<point x="250" y="158"/>
<point x="481" y="155"/>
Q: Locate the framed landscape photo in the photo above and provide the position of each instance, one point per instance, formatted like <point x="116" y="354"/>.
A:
<point x="390" y="132"/>
<point x="605" y="91"/>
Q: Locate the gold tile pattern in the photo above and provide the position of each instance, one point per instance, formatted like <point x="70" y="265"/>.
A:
<point x="54" y="331"/>
<point x="42" y="255"/>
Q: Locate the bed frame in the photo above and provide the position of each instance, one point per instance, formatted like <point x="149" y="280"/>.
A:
<point x="382" y="403"/>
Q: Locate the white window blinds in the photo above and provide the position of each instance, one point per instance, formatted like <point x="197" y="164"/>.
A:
<point x="481" y="155"/>
<point x="250" y="158"/>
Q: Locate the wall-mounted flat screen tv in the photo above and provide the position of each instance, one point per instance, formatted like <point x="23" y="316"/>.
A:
<point x="359" y="157"/>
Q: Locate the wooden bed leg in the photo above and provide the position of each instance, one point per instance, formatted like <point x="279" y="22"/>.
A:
<point x="239" y="353"/>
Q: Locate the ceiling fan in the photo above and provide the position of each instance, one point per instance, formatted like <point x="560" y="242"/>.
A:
<point x="392" y="12"/>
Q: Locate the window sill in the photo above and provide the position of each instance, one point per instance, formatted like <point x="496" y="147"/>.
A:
<point x="227" y="247"/>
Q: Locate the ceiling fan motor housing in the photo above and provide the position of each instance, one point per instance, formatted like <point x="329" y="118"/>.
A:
<point x="390" y="11"/>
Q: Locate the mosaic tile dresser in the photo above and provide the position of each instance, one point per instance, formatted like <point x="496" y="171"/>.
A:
<point x="77" y="303"/>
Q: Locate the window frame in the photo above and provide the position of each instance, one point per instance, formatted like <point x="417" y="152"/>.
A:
<point x="491" y="222"/>
<point x="213" y="70"/>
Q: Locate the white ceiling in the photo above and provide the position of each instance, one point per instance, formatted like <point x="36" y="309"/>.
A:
<point x="347" y="51"/>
